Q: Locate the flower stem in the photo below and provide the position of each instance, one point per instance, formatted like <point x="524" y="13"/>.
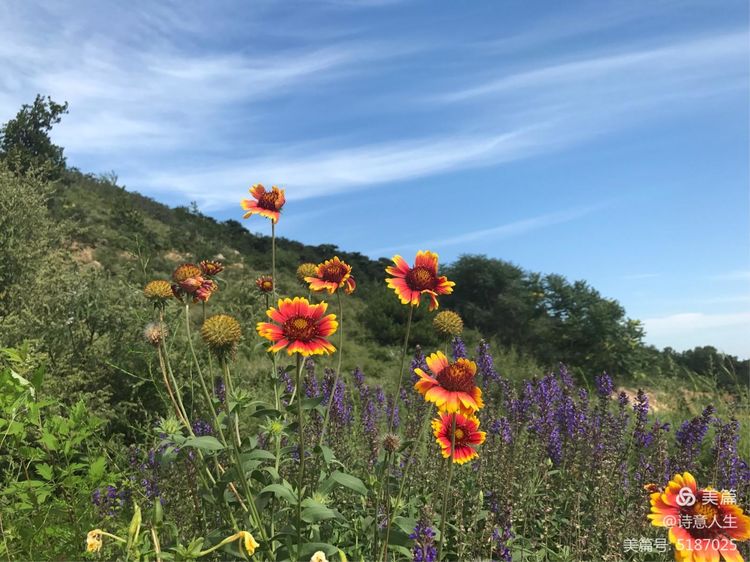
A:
<point x="301" y="476"/>
<point x="404" y="478"/>
<point x="338" y="369"/>
<point x="273" y="256"/>
<point x="238" y="460"/>
<point x="403" y="366"/>
<point x="447" y="488"/>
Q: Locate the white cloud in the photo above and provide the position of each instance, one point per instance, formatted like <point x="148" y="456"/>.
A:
<point x="508" y="230"/>
<point x="729" y="332"/>
<point x="732" y="276"/>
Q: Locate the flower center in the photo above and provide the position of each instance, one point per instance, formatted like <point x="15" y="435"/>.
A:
<point x="457" y="378"/>
<point x="459" y="434"/>
<point x="268" y="201"/>
<point x="334" y="272"/>
<point x="267" y="286"/>
<point x="299" y="328"/>
<point x="420" y="279"/>
<point x="703" y="520"/>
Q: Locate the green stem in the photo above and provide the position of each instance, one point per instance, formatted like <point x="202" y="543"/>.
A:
<point x="301" y="476"/>
<point x="402" y="487"/>
<point x="240" y="470"/>
<point x="338" y="369"/>
<point x="403" y="365"/>
<point x="447" y="489"/>
<point x="273" y="256"/>
<point x="204" y="387"/>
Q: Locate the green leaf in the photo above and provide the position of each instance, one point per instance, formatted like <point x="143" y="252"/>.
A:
<point x="45" y="471"/>
<point x="349" y="481"/>
<point x="317" y="513"/>
<point x="406" y="524"/>
<point x="282" y="492"/>
<point x="205" y="443"/>
<point x="310" y="548"/>
<point x="326" y="453"/>
<point x="259" y="454"/>
<point x="96" y="470"/>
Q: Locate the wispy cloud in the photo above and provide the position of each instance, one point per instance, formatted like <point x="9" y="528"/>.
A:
<point x="726" y="331"/>
<point x="500" y="232"/>
<point x="335" y="170"/>
<point x="665" y="64"/>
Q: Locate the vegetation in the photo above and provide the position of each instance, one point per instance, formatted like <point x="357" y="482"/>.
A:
<point x="155" y="425"/>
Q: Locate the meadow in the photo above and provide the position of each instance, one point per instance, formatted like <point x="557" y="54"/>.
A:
<point x="176" y="400"/>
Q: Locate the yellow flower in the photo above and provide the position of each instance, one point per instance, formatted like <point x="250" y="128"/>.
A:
<point x="94" y="541"/>
<point x="248" y="541"/>
<point x="319" y="556"/>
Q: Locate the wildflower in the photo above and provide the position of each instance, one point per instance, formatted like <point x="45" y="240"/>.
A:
<point x="604" y="385"/>
<point x="211" y="267"/>
<point x="410" y="283"/>
<point x="248" y="542"/>
<point x="204" y="292"/>
<point x="94" y="541"/>
<point x="264" y="283"/>
<point x="467" y="436"/>
<point x="332" y="275"/>
<point x="158" y="291"/>
<point x="221" y="333"/>
<point x="319" y="556"/>
<point x="458" y="348"/>
<point x="155" y="333"/>
<point x="424" y="549"/>
<point x="299" y="327"/>
<point x="267" y="203"/>
<point x="391" y="442"/>
<point x="306" y="270"/>
<point x="188" y="278"/>
<point x="702" y="523"/>
<point x="448" y="323"/>
<point x="691" y="434"/>
<point x="452" y="387"/>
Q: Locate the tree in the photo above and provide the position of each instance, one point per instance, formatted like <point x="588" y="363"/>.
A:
<point x="25" y="143"/>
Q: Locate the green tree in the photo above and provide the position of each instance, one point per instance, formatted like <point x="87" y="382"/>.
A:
<point x="25" y="143"/>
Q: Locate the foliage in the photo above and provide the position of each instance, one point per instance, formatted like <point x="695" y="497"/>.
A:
<point x="25" y="143"/>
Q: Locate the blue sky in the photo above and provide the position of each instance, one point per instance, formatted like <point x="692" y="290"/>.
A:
<point x="606" y="141"/>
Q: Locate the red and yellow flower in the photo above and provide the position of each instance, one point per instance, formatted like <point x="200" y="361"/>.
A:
<point x="265" y="203"/>
<point x="410" y="283"/>
<point x="264" y="283"/>
<point x="331" y="275"/>
<point x="300" y="327"/>
<point x="192" y="280"/>
<point x="467" y="436"/>
<point x="452" y="386"/>
<point x="703" y="523"/>
<point x="211" y="267"/>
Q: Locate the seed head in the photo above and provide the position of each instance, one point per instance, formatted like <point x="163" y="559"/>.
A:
<point x="158" y="291"/>
<point x="447" y="323"/>
<point x="155" y="333"/>
<point x="221" y="333"/>
<point x="391" y="442"/>
<point x="306" y="270"/>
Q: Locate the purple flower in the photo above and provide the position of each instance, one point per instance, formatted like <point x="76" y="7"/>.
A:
<point x="500" y="540"/>
<point x="424" y="549"/>
<point x="459" y="349"/>
<point x="690" y="435"/>
<point x="640" y="435"/>
<point x="201" y="428"/>
<point x="501" y="427"/>
<point x="725" y="452"/>
<point x="220" y="390"/>
<point x="604" y="385"/>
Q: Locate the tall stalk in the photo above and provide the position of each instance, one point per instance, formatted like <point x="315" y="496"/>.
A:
<point x="447" y="488"/>
<point x="301" y="476"/>
<point x="338" y="369"/>
<point x="403" y="366"/>
<point x="238" y="460"/>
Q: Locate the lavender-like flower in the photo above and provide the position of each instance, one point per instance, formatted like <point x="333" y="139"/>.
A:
<point x="424" y="549"/>
<point x="220" y="391"/>
<point x="725" y="452"/>
<point x="604" y="385"/>
<point x="459" y="348"/>
<point x="201" y="428"/>
<point x="501" y="540"/>
<point x="641" y="437"/>
<point x="691" y="433"/>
